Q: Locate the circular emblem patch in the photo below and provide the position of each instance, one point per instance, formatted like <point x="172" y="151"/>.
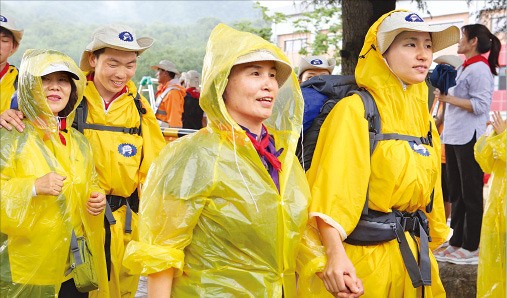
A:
<point x="126" y="36"/>
<point x="3" y="19"/>
<point x="413" y="18"/>
<point x="127" y="150"/>
<point x="316" y="62"/>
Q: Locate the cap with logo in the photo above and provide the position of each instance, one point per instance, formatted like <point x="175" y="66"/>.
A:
<point x="442" y="36"/>
<point x="116" y="36"/>
<point x="8" y="23"/>
<point x="316" y="62"/>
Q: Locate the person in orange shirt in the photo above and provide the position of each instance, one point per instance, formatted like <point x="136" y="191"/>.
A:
<point x="170" y="95"/>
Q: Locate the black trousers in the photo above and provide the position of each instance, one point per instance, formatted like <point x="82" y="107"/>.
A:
<point x="465" y="180"/>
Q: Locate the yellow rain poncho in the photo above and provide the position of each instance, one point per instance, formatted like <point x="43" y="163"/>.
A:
<point x="490" y="154"/>
<point x="7" y="88"/>
<point x="35" y="231"/>
<point x="210" y="209"/>
<point x="122" y="161"/>
<point x="398" y="176"/>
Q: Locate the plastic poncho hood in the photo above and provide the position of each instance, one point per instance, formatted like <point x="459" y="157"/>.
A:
<point x="209" y="208"/>
<point x="218" y="62"/>
<point x="32" y="99"/>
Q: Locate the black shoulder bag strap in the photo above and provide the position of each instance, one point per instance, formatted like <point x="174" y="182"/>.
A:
<point x="82" y="114"/>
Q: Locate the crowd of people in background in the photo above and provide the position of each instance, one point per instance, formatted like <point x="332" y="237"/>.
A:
<point x="87" y="177"/>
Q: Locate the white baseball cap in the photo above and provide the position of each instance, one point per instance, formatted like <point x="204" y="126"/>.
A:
<point x="316" y="62"/>
<point x="8" y="23"/>
<point x="59" y="66"/>
<point x="283" y="69"/>
<point x="116" y="36"/>
<point x="442" y="36"/>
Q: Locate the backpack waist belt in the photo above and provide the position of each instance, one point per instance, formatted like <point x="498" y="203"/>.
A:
<point x="378" y="227"/>
<point x="114" y="203"/>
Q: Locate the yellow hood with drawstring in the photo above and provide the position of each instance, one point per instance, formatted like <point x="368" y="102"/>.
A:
<point x="209" y="207"/>
<point x="35" y="231"/>
<point x="398" y="175"/>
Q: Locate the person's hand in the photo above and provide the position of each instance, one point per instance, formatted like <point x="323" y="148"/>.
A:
<point x="440" y="96"/>
<point x="340" y="278"/>
<point x="96" y="203"/>
<point x="12" y="118"/>
<point x="49" y="184"/>
<point x="498" y="123"/>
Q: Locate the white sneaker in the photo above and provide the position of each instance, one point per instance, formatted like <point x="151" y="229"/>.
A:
<point x="464" y="257"/>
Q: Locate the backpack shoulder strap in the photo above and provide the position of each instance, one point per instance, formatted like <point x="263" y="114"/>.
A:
<point x="372" y="115"/>
<point x="82" y="114"/>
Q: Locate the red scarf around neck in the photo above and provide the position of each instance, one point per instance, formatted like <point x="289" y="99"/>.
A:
<point x="62" y="126"/>
<point x="476" y="58"/>
<point x="261" y="149"/>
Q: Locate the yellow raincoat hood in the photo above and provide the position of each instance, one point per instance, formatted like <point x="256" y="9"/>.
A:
<point x="209" y="207"/>
<point x="32" y="99"/>
<point x="35" y="230"/>
<point x="399" y="175"/>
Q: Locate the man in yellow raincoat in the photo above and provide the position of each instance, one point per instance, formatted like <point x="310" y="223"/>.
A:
<point x="49" y="185"/>
<point x="401" y="174"/>
<point x="214" y="214"/>
<point x="122" y="158"/>
<point x="490" y="154"/>
<point x="10" y="37"/>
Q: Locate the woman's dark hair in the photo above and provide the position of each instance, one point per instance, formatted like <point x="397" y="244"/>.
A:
<point x="171" y="74"/>
<point x="486" y="42"/>
<point x="72" y="100"/>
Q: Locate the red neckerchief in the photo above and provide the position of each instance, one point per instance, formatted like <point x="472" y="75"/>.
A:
<point x="4" y="71"/>
<point x="62" y="126"/>
<point x="261" y="149"/>
<point x="193" y="92"/>
<point x="90" y="77"/>
<point x="472" y="60"/>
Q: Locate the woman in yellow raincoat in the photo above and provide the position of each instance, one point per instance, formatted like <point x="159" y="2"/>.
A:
<point x="48" y="184"/>
<point x="401" y="174"/>
<point x="490" y="154"/>
<point x="213" y="212"/>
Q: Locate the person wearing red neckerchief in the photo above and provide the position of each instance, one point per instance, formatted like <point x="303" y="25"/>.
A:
<point x="10" y="37"/>
<point x="49" y="186"/>
<point x="466" y="115"/>
<point x="225" y="207"/>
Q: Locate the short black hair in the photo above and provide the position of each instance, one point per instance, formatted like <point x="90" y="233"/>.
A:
<point x="8" y="33"/>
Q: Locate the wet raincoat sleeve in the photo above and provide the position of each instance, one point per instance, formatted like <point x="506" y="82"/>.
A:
<point x="166" y="217"/>
<point x="153" y="140"/>
<point x="490" y="154"/>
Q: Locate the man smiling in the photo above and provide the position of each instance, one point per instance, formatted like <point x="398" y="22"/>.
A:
<point x="124" y="134"/>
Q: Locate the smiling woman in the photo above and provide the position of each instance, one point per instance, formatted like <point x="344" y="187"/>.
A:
<point x="232" y="196"/>
<point x="49" y="186"/>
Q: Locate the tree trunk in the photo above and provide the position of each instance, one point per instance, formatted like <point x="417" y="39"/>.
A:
<point x="357" y="17"/>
